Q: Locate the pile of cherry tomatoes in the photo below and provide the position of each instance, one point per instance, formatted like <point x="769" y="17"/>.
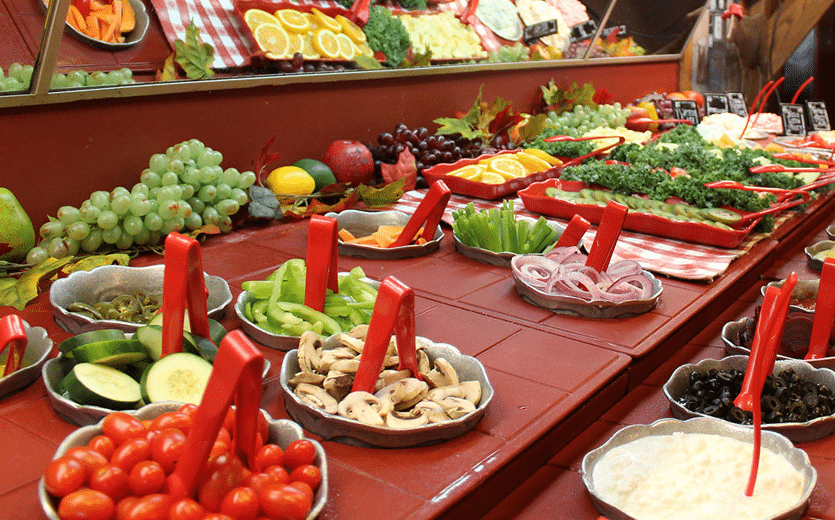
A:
<point x="121" y="474"/>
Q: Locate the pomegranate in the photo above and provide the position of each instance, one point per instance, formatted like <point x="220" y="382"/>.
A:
<point x="350" y="161"/>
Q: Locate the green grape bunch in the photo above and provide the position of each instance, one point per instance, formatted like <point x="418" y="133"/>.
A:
<point x="583" y="118"/>
<point x="18" y="77"/>
<point x="183" y="188"/>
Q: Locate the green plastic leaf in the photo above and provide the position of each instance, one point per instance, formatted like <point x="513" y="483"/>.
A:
<point x="169" y="70"/>
<point x="532" y="127"/>
<point x="366" y="62"/>
<point x="17" y="293"/>
<point x="385" y="196"/>
<point x="194" y="56"/>
<point x="452" y="125"/>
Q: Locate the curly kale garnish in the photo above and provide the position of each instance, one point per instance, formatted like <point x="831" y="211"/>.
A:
<point x="386" y="34"/>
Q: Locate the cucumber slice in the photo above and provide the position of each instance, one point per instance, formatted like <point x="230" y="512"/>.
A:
<point x="93" y="336"/>
<point x="180" y="377"/>
<point x="101" y="385"/>
<point x="151" y="337"/>
<point x="114" y="352"/>
<point x="722" y="215"/>
<point x="216" y="331"/>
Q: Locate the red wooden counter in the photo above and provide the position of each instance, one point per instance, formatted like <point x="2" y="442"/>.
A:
<point x="562" y="384"/>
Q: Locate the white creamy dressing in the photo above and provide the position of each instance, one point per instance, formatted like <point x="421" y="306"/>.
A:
<point x="695" y="476"/>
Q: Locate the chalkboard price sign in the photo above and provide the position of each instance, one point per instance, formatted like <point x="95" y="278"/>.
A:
<point x="818" y="117"/>
<point x="686" y="109"/>
<point x="737" y="104"/>
<point x="717" y="104"/>
<point x="583" y="31"/>
<point x="793" y="121"/>
<point x="538" y="30"/>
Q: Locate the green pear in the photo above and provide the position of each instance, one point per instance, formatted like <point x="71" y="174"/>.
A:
<point x="17" y="235"/>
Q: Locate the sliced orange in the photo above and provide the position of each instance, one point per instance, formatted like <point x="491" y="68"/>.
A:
<point x="531" y="163"/>
<point x="325" y="22"/>
<point x="347" y="49"/>
<point x="545" y="156"/>
<point x="351" y="29"/>
<point x="506" y="166"/>
<point x="293" y="20"/>
<point x="295" y="43"/>
<point x="308" y="52"/>
<point x="365" y="49"/>
<point x="326" y="44"/>
<point x="491" y="178"/>
<point x="471" y="171"/>
<point x="272" y="39"/>
<point x="256" y="17"/>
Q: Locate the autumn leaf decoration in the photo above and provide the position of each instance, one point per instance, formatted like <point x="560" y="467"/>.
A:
<point x="194" y="56"/>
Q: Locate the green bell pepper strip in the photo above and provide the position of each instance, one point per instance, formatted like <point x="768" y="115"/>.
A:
<point x="260" y="289"/>
<point x="330" y="326"/>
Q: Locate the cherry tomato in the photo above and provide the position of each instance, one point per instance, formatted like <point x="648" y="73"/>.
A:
<point x="186" y="509"/>
<point x="86" y="504"/>
<point x="130" y="452"/>
<point x="223" y="435"/>
<point x="88" y="458"/>
<point x="124" y="506"/>
<point x="284" y="502"/>
<point x="304" y="488"/>
<point x="223" y="475"/>
<point x="146" y="477"/>
<point x="299" y="452"/>
<point x="120" y="427"/>
<point x="189" y="409"/>
<point x="307" y="473"/>
<point x="166" y="448"/>
<point x="241" y="504"/>
<point x="150" y="507"/>
<point x="64" y="475"/>
<point x="111" y="481"/>
<point x="257" y="480"/>
<point x="278" y="474"/>
<point x="102" y="444"/>
<point x="268" y="455"/>
<point x="179" y="420"/>
<point x="217" y="516"/>
<point x="218" y="448"/>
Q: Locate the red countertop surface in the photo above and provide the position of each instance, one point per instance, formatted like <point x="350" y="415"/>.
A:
<point x="562" y="384"/>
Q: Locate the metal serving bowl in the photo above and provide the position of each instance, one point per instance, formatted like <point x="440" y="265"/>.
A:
<point x="106" y="282"/>
<point x="501" y="259"/>
<point x="282" y="432"/>
<point x="363" y="223"/>
<point x="732" y="329"/>
<point x="38" y="347"/>
<point x="816" y="264"/>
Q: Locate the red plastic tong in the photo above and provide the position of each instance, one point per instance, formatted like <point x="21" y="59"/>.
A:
<point x="573" y="232"/>
<point x="577" y="160"/>
<point x="394" y="312"/>
<point x="236" y="376"/>
<point x="824" y="312"/>
<point x="13" y="336"/>
<point x="428" y="214"/>
<point x="321" y="269"/>
<point x="782" y="197"/>
<point x="183" y="283"/>
<point x="607" y="235"/>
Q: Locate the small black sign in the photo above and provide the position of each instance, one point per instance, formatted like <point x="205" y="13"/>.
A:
<point x="686" y="109"/>
<point x="793" y="121"/>
<point x="818" y="116"/>
<point x="583" y="31"/>
<point x="538" y="30"/>
<point x="737" y="104"/>
<point x="717" y="104"/>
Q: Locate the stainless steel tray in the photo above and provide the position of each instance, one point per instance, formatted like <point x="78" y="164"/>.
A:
<point x="363" y="223"/>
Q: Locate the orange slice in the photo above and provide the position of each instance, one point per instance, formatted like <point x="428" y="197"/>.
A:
<point x="256" y="17"/>
<point x="347" y="49"/>
<point x="272" y="39"/>
<point x="308" y="52"/>
<point x="545" y="156"/>
<point x="326" y="44"/>
<point x="295" y="43"/>
<point x="293" y="20"/>
<point x="531" y="163"/>
<point x="492" y="178"/>
<point x="365" y="49"/>
<point x="471" y="171"/>
<point x="325" y="22"/>
<point x="506" y="166"/>
<point x="351" y="29"/>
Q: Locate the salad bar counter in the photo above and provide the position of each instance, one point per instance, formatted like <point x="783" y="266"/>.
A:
<point x="559" y="384"/>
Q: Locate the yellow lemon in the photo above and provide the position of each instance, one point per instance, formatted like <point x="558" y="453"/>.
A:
<point x="347" y="49"/>
<point x="363" y="48"/>
<point x="324" y="21"/>
<point x="290" y="180"/>
<point x="295" y="43"/>
<point x="545" y="156"/>
<point x="293" y="20"/>
<point x="506" y="166"/>
<point x="308" y="52"/>
<point x="351" y="29"/>
<point x="489" y="177"/>
<point x="256" y="17"/>
<point x="326" y="44"/>
<point x="532" y="163"/>
<point x="272" y="39"/>
<point x="471" y="171"/>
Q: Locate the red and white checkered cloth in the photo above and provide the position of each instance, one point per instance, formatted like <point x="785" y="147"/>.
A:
<point x="674" y="258"/>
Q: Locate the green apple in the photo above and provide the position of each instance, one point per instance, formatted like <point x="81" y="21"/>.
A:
<point x="17" y="235"/>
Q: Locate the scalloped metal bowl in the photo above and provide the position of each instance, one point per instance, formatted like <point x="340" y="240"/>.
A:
<point x="142" y="21"/>
<point x="803" y="296"/>
<point x="38" y="348"/>
<point x="348" y="431"/>
<point x="501" y="259"/>
<point x="732" y="329"/>
<point x="677" y="386"/>
<point x="773" y="441"/>
<point x="106" y="282"/>
<point x="282" y="432"/>
<point x="563" y="304"/>
<point x="363" y="223"/>
<point x="816" y="264"/>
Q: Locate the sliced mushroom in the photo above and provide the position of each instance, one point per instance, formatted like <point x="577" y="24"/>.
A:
<point x="338" y="384"/>
<point x="311" y="378"/>
<point x="441" y="393"/>
<point x="456" y="407"/>
<point x="345" y="340"/>
<point x="388" y="377"/>
<point x="308" y="356"/>
<point x="363" y="407"/>
<point x="317" y="397"/>
<point x="443" y="374"/>
<point x="471" y="391"/>
<point x="330" y="356"/>
<point x="347" y="366"/>
<point x="423" y="363"/>
<point x="391" y="361"/>
<point x="402" y="394"/>
<point x="433" y="411"/>
<point x="405" y="420"/>
<point x="359" y="331"/>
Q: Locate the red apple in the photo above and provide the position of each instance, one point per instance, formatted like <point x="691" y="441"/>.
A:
<point x="350" y="161"/>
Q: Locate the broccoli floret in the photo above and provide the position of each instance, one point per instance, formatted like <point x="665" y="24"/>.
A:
<point x="386" y="34"/>
<point x="413" y="5"/>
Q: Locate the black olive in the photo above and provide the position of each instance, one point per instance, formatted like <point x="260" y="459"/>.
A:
<point x="725" y="377"/>
<point x="810" y="399"/>
<point x="771" y="404"/>
<point x="739" y="415"/>
<point x="797" y="411"/>
<point x="711" y="410"/>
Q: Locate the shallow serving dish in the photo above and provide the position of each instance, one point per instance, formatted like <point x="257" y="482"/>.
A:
<point x="106" y="282"/>
<point x="38" y="348"/>
<point x="677" y="386"/>
<point x="830" y="231"/>
<point x="282" y="432"/>
<point x="363" y="223"/>
<point x="732" y="329"/>
<point x="773" y="441"/>
<point x="131" y="38"/>
<point x="501" y="259"/>
<point x="804" y="294"/>
<point x="816" y="264"/>
<point x="348" y="431"/>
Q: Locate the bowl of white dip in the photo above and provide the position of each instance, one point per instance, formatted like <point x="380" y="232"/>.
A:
<point x="696" y="469"/>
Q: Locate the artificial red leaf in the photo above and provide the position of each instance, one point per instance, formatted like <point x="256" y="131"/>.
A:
<point x="603" y="97"/>
<point x="404" y="168"/>
<point x="503" y="121"/>
<point x="265" y="158"/>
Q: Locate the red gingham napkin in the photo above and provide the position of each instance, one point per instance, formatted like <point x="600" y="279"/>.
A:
<point x="674" y="258"/>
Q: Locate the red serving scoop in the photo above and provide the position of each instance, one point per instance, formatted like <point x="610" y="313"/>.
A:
<point x="428" y="214"/>
<point x="824" y="312"/>
<point x="611" y="224"/>
<point x="183" y="284"/>
<point x="236" y="376"/>
<point x="394" y="312"/>
<point x="13" y="336"/>
<point x="321" y="269"/>
<point x="573" y="232"/>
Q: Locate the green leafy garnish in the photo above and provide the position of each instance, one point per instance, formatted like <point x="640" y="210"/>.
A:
<point x="387" y="34"/>
<point x="194" y="56"/>
<point x="561" y="100"/>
